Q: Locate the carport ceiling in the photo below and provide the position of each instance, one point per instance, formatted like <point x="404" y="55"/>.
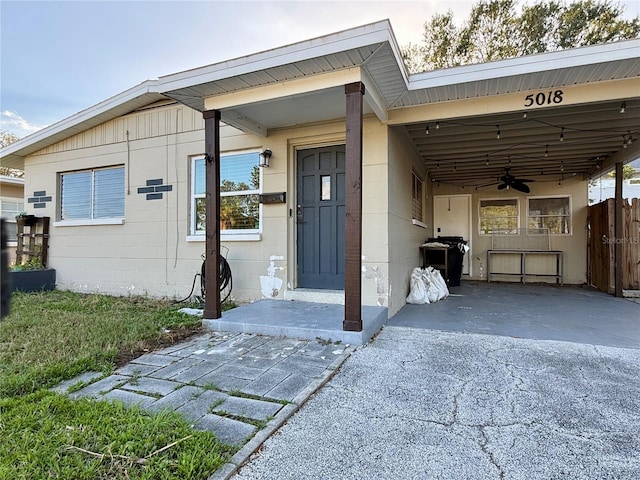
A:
<point x="468" y="152"/>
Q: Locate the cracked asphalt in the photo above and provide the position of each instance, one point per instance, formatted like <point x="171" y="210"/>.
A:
<point x="421" y="404"/>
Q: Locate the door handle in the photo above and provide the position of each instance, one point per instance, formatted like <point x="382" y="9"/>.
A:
<point x="299" y="214"/>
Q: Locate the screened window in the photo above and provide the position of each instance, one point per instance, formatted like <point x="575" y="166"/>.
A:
<point x="416" y="198"/>
<point x="552" y="214"/>
<point x="92" y="194"/>
<point x="499" y="216"/>
<point x="9" y="208"/>
<point x="239" y="194"/>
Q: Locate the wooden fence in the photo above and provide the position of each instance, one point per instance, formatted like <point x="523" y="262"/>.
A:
<point x="602" y="241"/>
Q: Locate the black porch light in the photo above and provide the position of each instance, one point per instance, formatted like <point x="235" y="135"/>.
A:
<point x="265" y="155"/>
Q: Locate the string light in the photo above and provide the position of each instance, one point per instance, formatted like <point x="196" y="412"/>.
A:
<point x="437" y="125"/>
<point x="524" y="115"/>
<point x="455" y="166"/>
<point x="623" y="107"/>
<point x="624" y="142"/>
<point x="562" y="135"/>
<point x="498" y="132"/>
<point x="426" y="130"/>
<point x="562" y="166"/>
<point x="546" y="151"/>
<point x="438" y="164"/>
<point x="509" y="160"/>
<point x="487" y="162"/>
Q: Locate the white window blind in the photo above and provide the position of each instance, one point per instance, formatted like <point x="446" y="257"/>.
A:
<point x="92" y="194"/>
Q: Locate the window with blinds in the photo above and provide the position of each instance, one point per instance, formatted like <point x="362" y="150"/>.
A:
<point x="416" y="198"/>
<point x="239" y="194"/>
<point x="92" y="194"/>
<point x="9" y="208"/>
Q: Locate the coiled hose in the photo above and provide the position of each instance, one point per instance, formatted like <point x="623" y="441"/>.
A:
<point x="226" y="282"/>
<point x="225" y="279"/>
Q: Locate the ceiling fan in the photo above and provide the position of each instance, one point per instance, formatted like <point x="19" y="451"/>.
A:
<point x="509" y="181"/>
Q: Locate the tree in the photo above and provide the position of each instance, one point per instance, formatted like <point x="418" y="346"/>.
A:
<point x="495" y="30"/>
<point x="7" y="138"/>
<point x="627" y="172"/>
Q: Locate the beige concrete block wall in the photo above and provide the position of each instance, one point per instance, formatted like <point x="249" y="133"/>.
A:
<point x="574" y="245"/>
<point x="404" y="237"/>
<point x="149" y="253"/>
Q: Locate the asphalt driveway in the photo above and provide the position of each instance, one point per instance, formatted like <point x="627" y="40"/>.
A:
<point x="423" y="404"/>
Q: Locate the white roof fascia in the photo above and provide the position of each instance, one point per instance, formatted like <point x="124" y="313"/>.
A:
<point x="338" y="42"/>
<point x="373" y="97"/>
<point x="148" y="86"/>
<point x="576" y="57"/>
<point x="11" y="180"/>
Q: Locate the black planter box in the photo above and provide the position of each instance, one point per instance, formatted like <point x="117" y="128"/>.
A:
<point x="33" y="280"/>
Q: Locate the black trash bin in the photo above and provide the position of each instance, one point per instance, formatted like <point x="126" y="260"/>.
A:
<point x="455" y="257"/>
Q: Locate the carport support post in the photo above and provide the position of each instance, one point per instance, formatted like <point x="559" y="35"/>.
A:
<point x="618" y="229"/>
<point x="353" y="210"/>
<point x="212" y="304"/>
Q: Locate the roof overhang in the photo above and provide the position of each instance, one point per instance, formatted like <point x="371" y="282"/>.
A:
<point x="141" y="95"/>
<point x="304" y="83"/>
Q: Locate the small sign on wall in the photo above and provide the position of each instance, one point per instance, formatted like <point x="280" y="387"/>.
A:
<point x="270" y="198"/>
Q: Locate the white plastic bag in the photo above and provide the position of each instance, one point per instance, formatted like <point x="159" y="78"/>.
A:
<point x="439" y="283"/>
<point x="433" y="291"/>
<point x="418" y="293"/>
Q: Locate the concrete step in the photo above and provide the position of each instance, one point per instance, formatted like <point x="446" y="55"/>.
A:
<point x="334" y="297"/>
<point x="299" y="320"/>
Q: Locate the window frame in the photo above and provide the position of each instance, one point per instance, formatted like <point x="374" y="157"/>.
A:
<point x="115" y="220"/>
<point x="570" y="215"/>
<point x="230" y="234"/>
<point x="12" y="219"/>
<point x="480" y="217"/>
<point x="416" y="180"/>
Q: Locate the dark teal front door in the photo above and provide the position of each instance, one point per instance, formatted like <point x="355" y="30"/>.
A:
<point x="320" y="217"/>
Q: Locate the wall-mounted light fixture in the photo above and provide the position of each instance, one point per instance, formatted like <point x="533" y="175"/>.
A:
<point x="264" y="158"/>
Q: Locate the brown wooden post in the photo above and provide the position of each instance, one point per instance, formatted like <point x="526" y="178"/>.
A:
<point x="353" y="210"/>
<point x="212" y="304"/>
<point x="618" y="230"/>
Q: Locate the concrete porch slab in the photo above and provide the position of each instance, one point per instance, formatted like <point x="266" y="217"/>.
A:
<point x="299" y="320"/>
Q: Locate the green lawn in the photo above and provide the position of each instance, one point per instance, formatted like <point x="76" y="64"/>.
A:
<point x="54" y="336"/>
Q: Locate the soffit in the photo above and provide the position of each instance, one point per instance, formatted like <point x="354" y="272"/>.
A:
<point x="466" y="152"/>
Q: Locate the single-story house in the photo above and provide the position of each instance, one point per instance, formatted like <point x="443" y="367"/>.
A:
<point x="11" y="204"/>
<point x="335" y="166"/>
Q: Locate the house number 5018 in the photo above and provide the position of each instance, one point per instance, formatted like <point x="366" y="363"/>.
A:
<point x="543" y="98"/>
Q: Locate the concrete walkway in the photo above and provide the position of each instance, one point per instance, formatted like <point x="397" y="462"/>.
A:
<point x="224" y="382"/>
<point x="422" y="404"/>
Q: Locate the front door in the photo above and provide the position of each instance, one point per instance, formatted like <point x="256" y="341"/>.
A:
<point x="320" y="217"/>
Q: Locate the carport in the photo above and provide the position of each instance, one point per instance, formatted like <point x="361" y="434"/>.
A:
<point x="575" y="314"/>
<point x="555" y="119"/>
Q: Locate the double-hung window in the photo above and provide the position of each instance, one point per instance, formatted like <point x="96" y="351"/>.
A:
<point x="549" y="214"/>
<point x="499" y="216"/>
<point x="240" y="211"/>
<point x="96" y="194"/>
<point x="9" y="208"/>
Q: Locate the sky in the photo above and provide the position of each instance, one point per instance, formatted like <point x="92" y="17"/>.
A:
<point x="60" y="57"/>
